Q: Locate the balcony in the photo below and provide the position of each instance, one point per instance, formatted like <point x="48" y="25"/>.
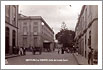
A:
<point x="7" y="19"/>
<point x="35" y="33"/>
<point x="25" y="33"/>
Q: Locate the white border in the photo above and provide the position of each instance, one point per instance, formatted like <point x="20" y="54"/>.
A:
<point x="3" y="3"/>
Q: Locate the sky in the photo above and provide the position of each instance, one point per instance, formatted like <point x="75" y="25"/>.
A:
<point x="54" y="15"/>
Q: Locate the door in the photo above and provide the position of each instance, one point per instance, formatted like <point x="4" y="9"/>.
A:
<point x="35" y="42"/>
<point x="7" y="40"/>
<point x="13" y="40"/>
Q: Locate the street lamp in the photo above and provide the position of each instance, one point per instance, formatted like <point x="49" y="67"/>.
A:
<point x="42" y="24"/>
<point x="42" y="32"/>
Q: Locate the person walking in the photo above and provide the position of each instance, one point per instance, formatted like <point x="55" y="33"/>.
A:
<point x="58" y="50"/>
<point x="24" y="51"/>
<point x="20" y="51"/>
<point x="62" y="51"/>
<point x="90" y="56"/>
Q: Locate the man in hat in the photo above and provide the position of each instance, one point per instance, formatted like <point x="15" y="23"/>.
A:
<point x="90" y="56"/>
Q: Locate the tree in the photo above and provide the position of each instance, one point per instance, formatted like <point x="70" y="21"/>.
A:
<point x="65" y="36"/>
<point x="63" y="26"/>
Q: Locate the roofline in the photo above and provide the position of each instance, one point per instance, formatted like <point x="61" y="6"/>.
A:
<point x="46" y="24"/>
<point x="82" y="10"/>
<point x="38" y="18"/>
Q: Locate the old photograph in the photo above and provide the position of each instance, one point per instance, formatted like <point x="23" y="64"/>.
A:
<point x="51" y="34"/>
<point x="29" y="39"/>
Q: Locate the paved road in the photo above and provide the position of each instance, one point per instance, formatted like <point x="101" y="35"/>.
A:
<point x="51" y="58"/>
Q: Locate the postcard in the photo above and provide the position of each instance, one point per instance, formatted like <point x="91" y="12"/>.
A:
<point x="51" y="34"/>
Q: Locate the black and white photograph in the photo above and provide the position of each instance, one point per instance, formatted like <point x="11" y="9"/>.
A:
<point x="51" y="34"/>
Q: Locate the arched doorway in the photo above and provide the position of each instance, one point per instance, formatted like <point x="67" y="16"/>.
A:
<point x="7" y="33"/>
<point x="13" y="40"/>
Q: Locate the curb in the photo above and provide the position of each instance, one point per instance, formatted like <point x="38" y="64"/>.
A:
<point x="81" y="60"/>
<point x="76" y="59"/>
<point x="11" y="56"/>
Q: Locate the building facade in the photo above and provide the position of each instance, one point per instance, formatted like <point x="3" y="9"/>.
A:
<point x="34" y="32"/>
<point x="86" y="31"/>
<point x="11" y="28"/>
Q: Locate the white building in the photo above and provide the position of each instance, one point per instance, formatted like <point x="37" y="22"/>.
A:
<point x="11" y="27"/>
<point x="34" y="31"/>
<point x="87" y="29"/>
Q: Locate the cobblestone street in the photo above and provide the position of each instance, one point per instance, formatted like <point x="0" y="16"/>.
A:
<point x="43" y="59"/>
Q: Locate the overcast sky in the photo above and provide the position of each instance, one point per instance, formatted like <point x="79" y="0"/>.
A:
<point x="54" y="15"/>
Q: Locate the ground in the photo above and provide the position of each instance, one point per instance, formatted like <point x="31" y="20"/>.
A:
<point x="46" y="58"/>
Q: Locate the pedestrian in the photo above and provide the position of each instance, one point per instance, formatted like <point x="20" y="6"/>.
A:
<point x="20" y="51"/>
<point x="24" y="51"/>
<point x="17" y="50"/>
<point x="62" y="51"/>
<point x="6" y="61"/>
<point x="14" y="50"/>
<point x="90" y="56"/>
<point x="58" y="50"/>
<point x="77" y="51"/>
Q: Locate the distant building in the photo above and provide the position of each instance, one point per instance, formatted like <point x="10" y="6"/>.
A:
<point x="86" y="31"/>
<point x="11" y="27"/>
<point x="34" y="32"/>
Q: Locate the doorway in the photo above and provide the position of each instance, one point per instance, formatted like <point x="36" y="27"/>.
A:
<point x="7" y="33"/>
<point x="13" y="40"/>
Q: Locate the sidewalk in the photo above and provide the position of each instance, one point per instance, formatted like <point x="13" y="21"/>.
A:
<point x="80" y="59"/>
<point x="11" y="56"/>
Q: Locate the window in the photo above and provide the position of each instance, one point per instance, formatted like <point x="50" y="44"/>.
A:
<point x="14" y="15"/>
<point x="7" y="10"/>
<point x="35" y="41"/>
<point x="35" y="29"/>
<point x="35" y="23"/>
<point x="24" y="41"/>
<point x="89" y="40"/>
<point x="25" y="23"/>
<point x="7" y="13"/>
<point x="90" y="12"/>
<point x="86" y="18"/>
<point x="25" y="30"/>
<point x="7" y="31"/>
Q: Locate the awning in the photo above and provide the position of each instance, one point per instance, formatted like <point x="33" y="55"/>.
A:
<point x="46" y="41"/>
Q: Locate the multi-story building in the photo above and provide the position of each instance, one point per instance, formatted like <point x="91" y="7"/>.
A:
<point x="86" y="31"/>
<point x="11" y="27"/>
<point x="34" y="31"/>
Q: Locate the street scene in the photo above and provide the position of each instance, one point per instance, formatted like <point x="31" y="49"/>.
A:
<point x="51" y="35"/>
<point x="51" y="58"/>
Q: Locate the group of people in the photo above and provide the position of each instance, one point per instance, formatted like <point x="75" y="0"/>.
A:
<point x="19" y="50"/>
<point x="90" y="54"/>
<point x="22" y="51"/>
<point x="61" y="50"/>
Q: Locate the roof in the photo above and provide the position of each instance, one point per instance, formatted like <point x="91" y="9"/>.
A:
<point x="82" y="10"/>
<point x="23" y="17"/>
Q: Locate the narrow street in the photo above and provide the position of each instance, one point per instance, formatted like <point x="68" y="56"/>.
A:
<point x="51" y="58"/>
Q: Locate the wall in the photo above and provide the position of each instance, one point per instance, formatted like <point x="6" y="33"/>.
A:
<point x="11" y="12"/>
<point x="88" y="21"/>
<point x="35" y="29"/>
